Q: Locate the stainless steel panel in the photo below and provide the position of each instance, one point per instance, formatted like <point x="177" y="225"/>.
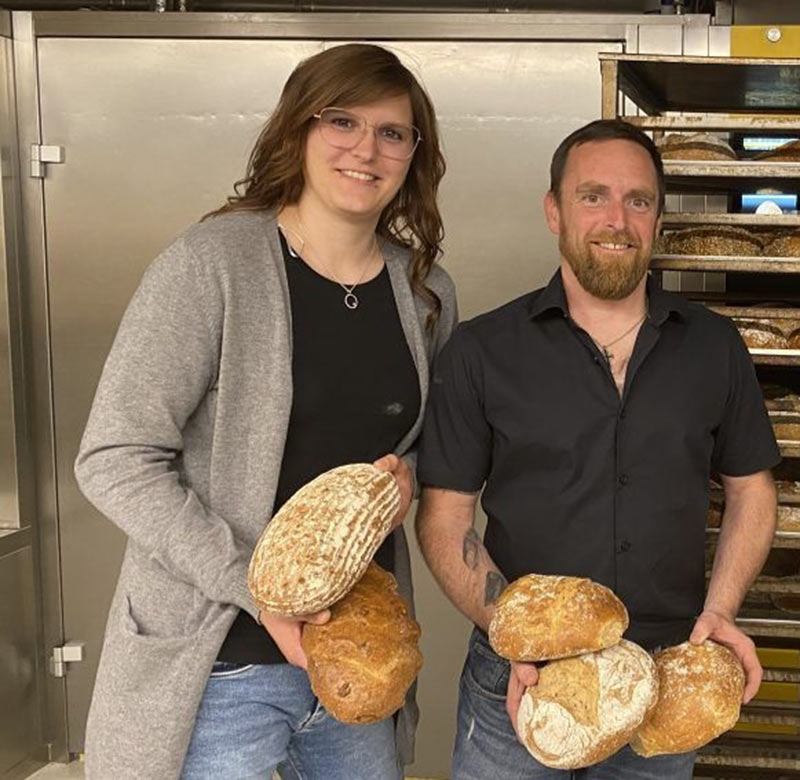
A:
<point x="149" y="149"/>
<point x="20" y="733"/>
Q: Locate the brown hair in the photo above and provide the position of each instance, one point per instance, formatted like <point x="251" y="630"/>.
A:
<point x="345" y="76"/>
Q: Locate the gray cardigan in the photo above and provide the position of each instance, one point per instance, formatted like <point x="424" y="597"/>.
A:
<point x="182" y="451"/>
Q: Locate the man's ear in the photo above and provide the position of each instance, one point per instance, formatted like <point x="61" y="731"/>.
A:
<point x="551" y="212"/>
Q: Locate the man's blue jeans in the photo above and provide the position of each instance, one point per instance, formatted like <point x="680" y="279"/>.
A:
<point x="487" y="748"/>
<point x="256" y="718"/>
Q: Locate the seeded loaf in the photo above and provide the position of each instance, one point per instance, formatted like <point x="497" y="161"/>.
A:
<point x="712" y="240"/>
<point x="363" y="660"/>
<point x="539" y="617"/>
<point x="783" y="245"/>
<point x="700" y="693"/>
<point x="322" y="539"/>
<point x="697" y="146"/>
<point x="584" y="709"/>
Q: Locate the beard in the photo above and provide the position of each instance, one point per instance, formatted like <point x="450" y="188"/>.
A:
<point x="605" y="278"/>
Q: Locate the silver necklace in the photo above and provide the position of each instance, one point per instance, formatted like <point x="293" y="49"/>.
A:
<point x="350" y="298"/>
<point x="609" y="356"/>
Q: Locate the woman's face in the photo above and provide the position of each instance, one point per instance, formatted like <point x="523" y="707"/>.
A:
<point x="359" y="182"/>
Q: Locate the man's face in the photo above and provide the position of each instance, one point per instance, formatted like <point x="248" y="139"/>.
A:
<point x="606" y="215"/>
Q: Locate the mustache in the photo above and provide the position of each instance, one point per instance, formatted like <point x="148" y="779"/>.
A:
<point x="614" y="237"/>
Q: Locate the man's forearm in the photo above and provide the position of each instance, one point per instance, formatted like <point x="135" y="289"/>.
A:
<point x="456" y="555"/>
<point x="748" y="525"/>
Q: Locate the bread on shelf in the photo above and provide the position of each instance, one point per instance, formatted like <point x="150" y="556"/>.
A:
<point x="788" y="152"/>
<point x="782" y="245"/>
<point x="725" y="240"/>
<point x="761" y="333"/>
<point x="697" y="146"/>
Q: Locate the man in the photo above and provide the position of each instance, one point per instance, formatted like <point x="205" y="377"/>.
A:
<point x="592" y="412"/>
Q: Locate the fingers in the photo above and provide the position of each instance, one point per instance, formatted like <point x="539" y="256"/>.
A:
<point x="387" y="463"/>
<point x="528" y="674"/>
<point x="521" y="677"/>
<point x="317" y="619"/>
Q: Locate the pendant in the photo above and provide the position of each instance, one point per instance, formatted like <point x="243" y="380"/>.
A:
<point x="351" y="301"/>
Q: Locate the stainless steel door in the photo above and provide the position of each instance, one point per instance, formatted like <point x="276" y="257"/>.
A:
<point x="154" y="133"/>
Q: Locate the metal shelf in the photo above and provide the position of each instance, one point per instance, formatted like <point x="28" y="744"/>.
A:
<point x="659" y="83"/>
<point x="782" y="539"/>
<point x="696" y="176"/>
<point x="726" y="263"/>
<point x="766" y="125"/>
<point x="679" y="219"/>
<point x="784" y="628"/>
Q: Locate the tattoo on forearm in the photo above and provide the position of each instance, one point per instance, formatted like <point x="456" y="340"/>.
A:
<point x="471" y="549"/>
<point x="495" y="585"/>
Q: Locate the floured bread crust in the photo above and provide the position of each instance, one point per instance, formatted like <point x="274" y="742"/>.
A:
<point x="585" y="709"/>
<point x="322" y="539"/>
<point x="363" y="660"/>
<point x="701" y="690"/>
<point x="539" y="617"/>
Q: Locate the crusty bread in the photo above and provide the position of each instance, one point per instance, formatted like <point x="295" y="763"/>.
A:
<point x="788" y="518"/>
<point x="788" y="152"/>
<point x="322" y="539"/>
<point x="363" y="660"/>
<point x="701" y="690"/>
<point x="786" y="431"/>
<point x="586" y="708"/>
<point x="761" y="334"/>
<point x="711" y="240"/>
<point x="697" y="146"/>
<point x="539" y="617"/>
<point x="783" y="245"/>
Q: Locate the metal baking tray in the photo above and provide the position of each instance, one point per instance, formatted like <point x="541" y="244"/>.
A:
<point x="679" y="218"/>
<point x="730" y="263"/>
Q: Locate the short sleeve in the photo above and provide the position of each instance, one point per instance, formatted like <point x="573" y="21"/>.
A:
<point x="456" y="445"/>
<point x="744" y="442"/>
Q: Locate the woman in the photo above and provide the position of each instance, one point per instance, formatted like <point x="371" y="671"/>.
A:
<point x="287" y="333"/>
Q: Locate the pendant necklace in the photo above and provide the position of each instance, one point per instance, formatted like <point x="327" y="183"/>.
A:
<point x="350" y="298"/>
<point x="607" y="354"/>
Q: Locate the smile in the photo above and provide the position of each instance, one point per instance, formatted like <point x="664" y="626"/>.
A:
<point x="613" y="247"/>
<point x="359" y="175"/>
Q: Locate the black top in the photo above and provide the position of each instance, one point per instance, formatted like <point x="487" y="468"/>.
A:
<point x="580" y="482"/>
<point x="355" y="395"/>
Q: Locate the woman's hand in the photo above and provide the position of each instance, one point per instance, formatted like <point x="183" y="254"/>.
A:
<point x="287" y="631"/>
<point x="405" y="481"/>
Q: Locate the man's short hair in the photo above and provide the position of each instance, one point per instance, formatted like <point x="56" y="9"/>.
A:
<point x="605" y="130"/>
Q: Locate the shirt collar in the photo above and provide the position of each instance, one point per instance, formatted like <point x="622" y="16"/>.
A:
<point x="553" y="298"/>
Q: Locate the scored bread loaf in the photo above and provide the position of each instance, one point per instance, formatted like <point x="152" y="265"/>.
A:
<point x="697" y="146"/>
<point x="761" y="334"/>
<point x="322" y="539"/>
<point x="783" y="245"/>
<point x="363" y="660"/>
<point x="539" y="617"/>
<point x="700" y="692"/>
<point x="586" y="708"/>
<point x="711" y="240"/>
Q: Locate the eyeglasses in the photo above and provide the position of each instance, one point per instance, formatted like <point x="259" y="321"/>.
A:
<point x="345" y="130"/>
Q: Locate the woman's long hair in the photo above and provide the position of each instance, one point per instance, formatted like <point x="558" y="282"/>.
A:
<point x="344" y="76"/>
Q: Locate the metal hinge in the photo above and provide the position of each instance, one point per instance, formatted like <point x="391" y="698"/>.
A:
<point x="68" y="653"/>
<point x="41" y="154"/>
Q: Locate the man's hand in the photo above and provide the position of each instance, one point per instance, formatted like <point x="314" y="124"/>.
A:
<point x="522" y="676"/>
<point x="720" y="628"/>
<point x="286" y="632"/>
<point x="405" y="481"/>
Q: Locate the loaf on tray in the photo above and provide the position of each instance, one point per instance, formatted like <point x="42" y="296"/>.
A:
<point x="697" y="146"/>
<point x="722" y="240"/>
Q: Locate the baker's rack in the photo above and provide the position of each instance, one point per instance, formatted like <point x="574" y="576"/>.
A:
<point x="762" y="97"/>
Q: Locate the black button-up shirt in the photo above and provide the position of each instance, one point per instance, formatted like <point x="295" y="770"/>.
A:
<point x="580" y="481"/>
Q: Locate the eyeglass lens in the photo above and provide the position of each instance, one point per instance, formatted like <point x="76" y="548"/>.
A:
<point x="345" y="130"/>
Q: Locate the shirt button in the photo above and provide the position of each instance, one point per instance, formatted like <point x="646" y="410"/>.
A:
<point x="624" y="546"/>
<point x="596" y="359"/>
<point x="621" y="414"/>
<point x="623" y="479"/>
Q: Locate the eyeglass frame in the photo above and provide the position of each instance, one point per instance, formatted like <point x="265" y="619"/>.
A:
<point x="414" y="128"/>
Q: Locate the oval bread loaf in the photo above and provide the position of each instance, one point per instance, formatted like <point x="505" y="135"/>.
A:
<point x="584" y="709"/>
<point x="320" y="542"/>
<point x="700" y="695"/>
<point x="539" y="617"/>
<point x="363" y="660"/>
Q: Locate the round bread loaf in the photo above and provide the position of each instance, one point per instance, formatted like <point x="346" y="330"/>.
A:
<point x="788" y="518"/>
<point x="540" y="616"/>
<point x="761" y="334"/>
<point x="785" y="245"/>
<point x="322" y="539"/>
<point x="788" y="152"/>
<point x="698" y="146"/>
<point x="700" y="694"/>
<point x="363" y="660"/>
<point x="787" y="431"/>
<point x="584" y="709"/>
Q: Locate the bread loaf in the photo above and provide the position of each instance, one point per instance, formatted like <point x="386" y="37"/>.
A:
<point x="784" y="245"/>
<point x="322" y="539"/>
<point x="539" y="617"/>
<point x="712" y="240"/>
<point x="363" y="660"/>
<point x="787" y="431"/>
<point x="788" y="152"/>
<point x="700" y="694"/>
<point x="698" y="146"/>
<point x="761" y="334"/>
<point x="584" y="709"/>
